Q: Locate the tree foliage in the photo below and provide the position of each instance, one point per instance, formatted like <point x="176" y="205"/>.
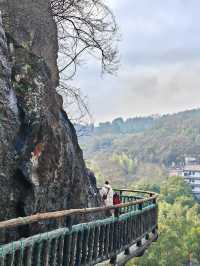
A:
<point x="179" y="228"/>
<point x="126" y="163"/>
<point x="153" y="145"/>
<point x="174" y="188"/>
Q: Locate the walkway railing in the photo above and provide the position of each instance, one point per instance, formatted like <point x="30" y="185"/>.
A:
<point x="86" y="243"/>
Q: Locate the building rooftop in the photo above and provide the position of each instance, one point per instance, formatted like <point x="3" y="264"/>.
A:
<point x="192" y="168"/>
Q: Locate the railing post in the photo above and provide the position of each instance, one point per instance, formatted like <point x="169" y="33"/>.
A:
<point x="68" y="241"/>
<point x="69" y="222"/>
<point x="120" y="195"/>
<point x="154" y="200"/>
<point x="115" y="232"/>
<point x="140" y="206"/>
<point x="116" y="213"/>
<point x="127" y="251"/>
<point x="154" y="231"/>
<point x="139" y="242"/>
<point x="147" y="237"/>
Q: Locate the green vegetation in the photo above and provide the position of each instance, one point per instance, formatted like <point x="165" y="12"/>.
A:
<point x="138" y="155"/>
<point x="131" y="125"/>
<point x="126" y="163"/>
<point x="142" y="148"/>
<point x="179" y="227"/>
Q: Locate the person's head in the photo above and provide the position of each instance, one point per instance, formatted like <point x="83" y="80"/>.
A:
<point x="107" y="182"/>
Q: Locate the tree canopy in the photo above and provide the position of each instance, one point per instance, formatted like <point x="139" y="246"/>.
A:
<point x="179" y="228"/>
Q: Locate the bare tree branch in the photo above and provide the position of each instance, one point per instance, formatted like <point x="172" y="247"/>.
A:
<point x="77" y="106"/>
<point x="84" y="26"/>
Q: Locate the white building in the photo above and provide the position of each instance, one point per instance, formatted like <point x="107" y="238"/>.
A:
<point x="191" y="174"/>
<point x="175" y="171"/>
<point x="189" y="160"/>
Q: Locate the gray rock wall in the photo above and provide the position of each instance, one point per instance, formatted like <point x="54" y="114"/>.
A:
<point x="41" y="163"/>
<point x="9" y="126"/>
<point x="32" y="26"/>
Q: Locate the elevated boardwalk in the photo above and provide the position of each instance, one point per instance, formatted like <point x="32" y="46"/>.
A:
<point x="112" y="240"/>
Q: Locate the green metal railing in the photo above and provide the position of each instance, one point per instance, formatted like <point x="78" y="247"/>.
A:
<point x="86" y="243"/>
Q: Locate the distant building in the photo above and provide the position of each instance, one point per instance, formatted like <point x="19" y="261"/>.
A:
<point x="191" y="174"/>
<point x="175" y="172"/>
<point x="191" y="160"/>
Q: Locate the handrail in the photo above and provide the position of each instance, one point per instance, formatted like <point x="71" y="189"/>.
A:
<point x="136" y="190"/>
<point x="131" y="230"/>
<point x="61" y="214"/>
<point x="133" y="191"/>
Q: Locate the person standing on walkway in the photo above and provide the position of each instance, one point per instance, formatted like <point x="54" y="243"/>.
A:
<point x="107" y="194"/>
<point x="116" y="199"/>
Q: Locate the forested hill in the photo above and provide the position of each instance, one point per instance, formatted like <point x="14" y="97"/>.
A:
<point x="131" y="125"/>
<point x="142" y="148"/>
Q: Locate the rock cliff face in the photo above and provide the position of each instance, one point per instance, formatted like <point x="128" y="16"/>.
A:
<point x="30" y="23"/>
<point x="41" y="164"/>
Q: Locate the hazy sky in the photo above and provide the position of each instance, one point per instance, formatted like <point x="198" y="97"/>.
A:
<point x="160" y="61"/>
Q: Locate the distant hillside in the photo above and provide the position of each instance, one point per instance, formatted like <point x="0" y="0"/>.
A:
<point x="142" y="148"/>
<point x="131" y="125"/>
<point x="117" y="126"/>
